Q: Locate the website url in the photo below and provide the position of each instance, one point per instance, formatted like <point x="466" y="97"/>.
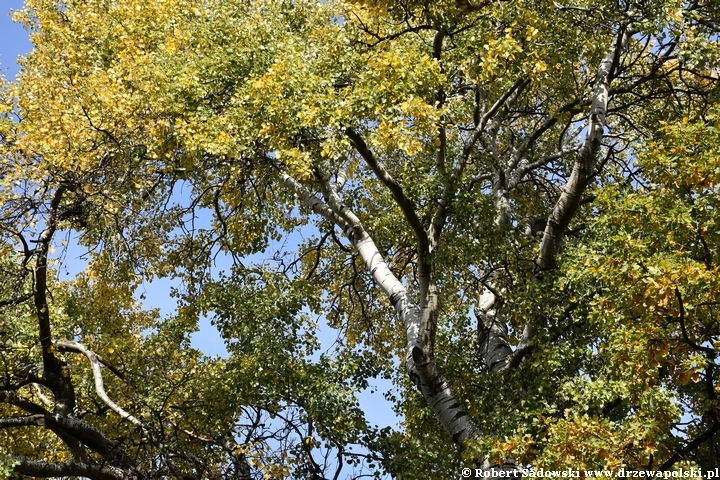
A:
<point x="571" y="473"/>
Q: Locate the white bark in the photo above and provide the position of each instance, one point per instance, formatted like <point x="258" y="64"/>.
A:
<point x="493" y="333"/>
<point x="498" y="353"/>
<point x="45" y="400"/>
<point x="422" y="370"/>
<point x="420" y="362"/>
<point x="420" y="366"/>
<point x="567" y="205"/>
<point x="97" y="375"/>
<point x="100" y="390"/>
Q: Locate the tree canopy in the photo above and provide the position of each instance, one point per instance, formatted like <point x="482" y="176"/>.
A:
<point x="508" y="208"/>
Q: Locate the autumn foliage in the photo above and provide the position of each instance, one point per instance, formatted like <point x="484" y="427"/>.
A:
<point x="509" y="209"/>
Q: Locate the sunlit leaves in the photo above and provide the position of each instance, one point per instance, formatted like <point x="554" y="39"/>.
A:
<point x="654" y="265"/>
<point x="170" y="127"/>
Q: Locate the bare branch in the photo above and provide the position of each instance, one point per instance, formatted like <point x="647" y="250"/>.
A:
<point x="45" y="400"/>
<point x="41" y="305"/>
<point x="525" y="168"/>
<point x="314" y="203"/>
<point x="681" y="454"/>
<point x="76" y="448"/>
<point x="492" y="333"/>
<point x="340" y="179"/>
<point x="516" y="87"/>
<point x="26" y="421"/>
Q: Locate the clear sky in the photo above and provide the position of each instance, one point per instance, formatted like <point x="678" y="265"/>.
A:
<point x="14" y="42"/>
<point x="13" y="38"/>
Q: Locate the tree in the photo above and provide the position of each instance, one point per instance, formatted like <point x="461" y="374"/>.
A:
<point x="653" y="257"/>
<point x="472" y="166"/>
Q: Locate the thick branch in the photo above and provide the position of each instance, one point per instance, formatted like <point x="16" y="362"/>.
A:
<point x="683" y="329"/>
<point x="100" y="389"/>
<point x="45" y="400"/>
<point x="682" y="453"/>
<point x="395" y="188"/>
<point x="498" y="352"/>
<point x="56" y="370"/>
<point x="71" y="469"/>
<point x="97" y="375"/>
<point x="314" y="203"/>
<point x="41" y="280"/>
<point x="26" y="421"/>
<point x="428" y="295"/>
<point x="569" y="201"/>
<point x="492" y="334"/>
<point x="340" y="179"/>
<point x="17" y="300"/>
<point x="87" y="434"/>
<point x="76" y="448"/>
<point x="70" y="430"/>
<point x="13" y="398"/>
<point x="421" y="367"/>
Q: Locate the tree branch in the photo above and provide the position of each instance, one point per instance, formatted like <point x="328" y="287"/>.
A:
<point x="682" y="453"/>
<point x="525" y="168"/>
<point x="71" y="469"/>
<point x="567" y="205"/>
<point x="421" y="367"/>
<point x="516" y="87"/>
<point x="97" y="375"/>
<point x="492" y="334"/>
<point x="395" y="188"/>
<point x="26" y="421"/>
<point x="17" y="300"/>
<point x="317" y="205"/>
<point x="76" y="448"/>
<point x="100" y="389"/>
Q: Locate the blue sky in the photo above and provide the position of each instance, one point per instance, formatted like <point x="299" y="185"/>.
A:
<point x="13" y="39"/>
<point x="14" y="42"/>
